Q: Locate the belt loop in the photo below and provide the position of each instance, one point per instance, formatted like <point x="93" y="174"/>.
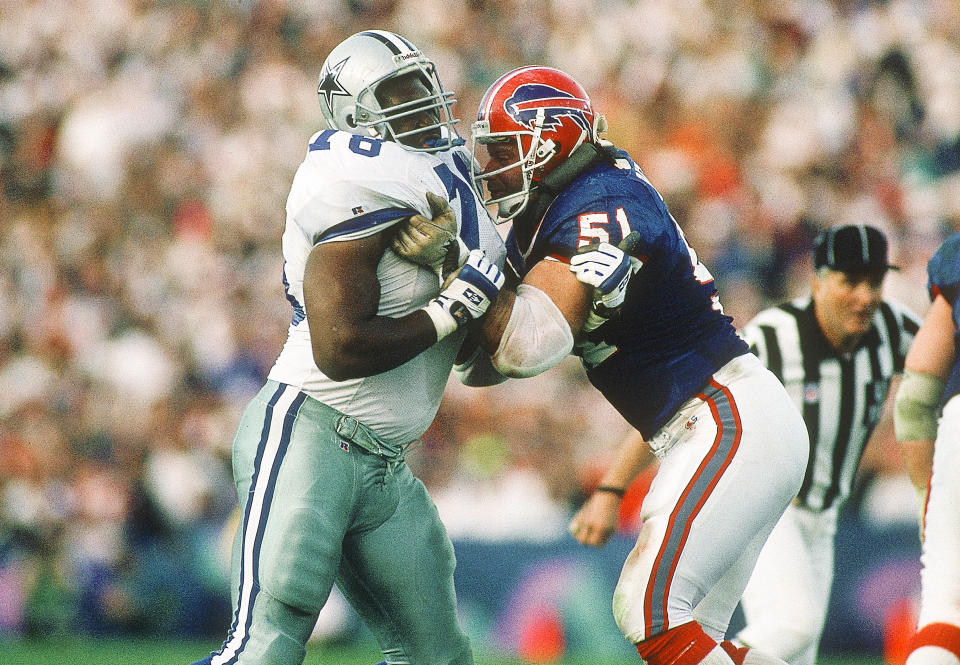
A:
<point x="360" y="435"/>
<point x="341" y="430"/>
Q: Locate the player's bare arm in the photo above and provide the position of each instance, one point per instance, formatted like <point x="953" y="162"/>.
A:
<point x="596" y="521"/>
<point x="927" y="367"/>
<point x="932" y="349"/>
<point x="342" y="295"/>
<point x="569" y="294"/>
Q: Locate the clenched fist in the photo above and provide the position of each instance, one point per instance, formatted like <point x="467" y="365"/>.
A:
<point x="432" y="243"/>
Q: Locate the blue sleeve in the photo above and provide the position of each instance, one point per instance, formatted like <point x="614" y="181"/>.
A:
<point x="943" y="272"/>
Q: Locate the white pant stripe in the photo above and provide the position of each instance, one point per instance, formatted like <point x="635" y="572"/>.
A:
<point x="255" y="521"/>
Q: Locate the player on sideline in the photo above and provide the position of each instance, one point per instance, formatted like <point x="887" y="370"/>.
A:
<point x="318" y="457"/>
<point x="836" y="353"/>
<point x="931" y="387"/>
<point x="732" y="445"/>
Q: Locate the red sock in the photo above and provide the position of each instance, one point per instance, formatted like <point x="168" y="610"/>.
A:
<point x="737" y="654"/>
<point x="683" y="645"/>
<point x="943" y="635"/>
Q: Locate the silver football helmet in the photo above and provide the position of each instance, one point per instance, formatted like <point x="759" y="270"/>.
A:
<point x="358" y="66"/>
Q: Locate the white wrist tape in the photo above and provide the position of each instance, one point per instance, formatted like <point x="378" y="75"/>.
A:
<point x="537" y="336"/>
<point x="915" y="408"/>
<point x="442" y="319"/>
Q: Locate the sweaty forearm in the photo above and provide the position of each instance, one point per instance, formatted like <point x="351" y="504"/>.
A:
<point x="917" y="459"/>
<point x="633" y="457"/>
<point x="495" y="320"/>
<point x="342" y="297"/>
<point x="363" y="348"/>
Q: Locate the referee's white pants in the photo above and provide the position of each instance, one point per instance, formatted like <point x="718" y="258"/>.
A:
<point x="785" y="602"/>
<point x="940" y="576"/>
<point x="732" y="458"/>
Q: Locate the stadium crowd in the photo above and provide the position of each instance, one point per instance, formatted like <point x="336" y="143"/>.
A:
<point x="146" y="149"/>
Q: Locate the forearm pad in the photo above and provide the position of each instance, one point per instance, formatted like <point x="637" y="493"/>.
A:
<point x="536" y="338"/>
<point x="915" y="407"/>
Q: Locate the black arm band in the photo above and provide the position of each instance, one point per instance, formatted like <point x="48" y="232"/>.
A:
<point x="619" y="491"/>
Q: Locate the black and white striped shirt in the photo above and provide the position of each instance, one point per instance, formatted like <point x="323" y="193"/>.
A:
<point x="841" y="396"/>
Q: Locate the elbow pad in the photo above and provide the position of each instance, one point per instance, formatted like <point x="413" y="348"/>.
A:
<point x="916" y="406"/>
<point x="478" y="371"/>
<point x="537" y="336"/>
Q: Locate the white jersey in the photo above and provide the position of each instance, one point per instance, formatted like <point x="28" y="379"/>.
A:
<point x="349" y="187"/>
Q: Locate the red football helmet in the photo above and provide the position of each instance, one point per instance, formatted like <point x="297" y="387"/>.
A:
<point x="546" y="113"/>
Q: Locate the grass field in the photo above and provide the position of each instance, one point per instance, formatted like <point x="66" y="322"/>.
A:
<point x="130" y="652"/>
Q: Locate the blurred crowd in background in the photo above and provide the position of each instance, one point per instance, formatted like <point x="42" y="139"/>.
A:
<point x="146" y="150"/>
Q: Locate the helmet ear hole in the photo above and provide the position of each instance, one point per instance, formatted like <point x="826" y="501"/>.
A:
<point x="351" y="123"/>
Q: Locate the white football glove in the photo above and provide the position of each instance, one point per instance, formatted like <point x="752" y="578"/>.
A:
<point x="468" y="295"/>
<point x="432" y="243"/>
<point x="608" y="269"/>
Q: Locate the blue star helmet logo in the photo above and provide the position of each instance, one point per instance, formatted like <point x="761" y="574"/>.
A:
<point x="330" y="85"/>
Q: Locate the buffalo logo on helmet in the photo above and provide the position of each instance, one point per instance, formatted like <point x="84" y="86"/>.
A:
<point x="527" y="99"/>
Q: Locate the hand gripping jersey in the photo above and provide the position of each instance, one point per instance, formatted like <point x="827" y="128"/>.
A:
<point x="671" y="334"/>
<point x="943" y="278"/>
<point x="349" y="187"/>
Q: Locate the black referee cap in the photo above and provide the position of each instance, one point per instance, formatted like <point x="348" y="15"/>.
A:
<point x="852" y="248"/>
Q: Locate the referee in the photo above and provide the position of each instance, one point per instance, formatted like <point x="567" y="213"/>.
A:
<point x="836" y="352"/>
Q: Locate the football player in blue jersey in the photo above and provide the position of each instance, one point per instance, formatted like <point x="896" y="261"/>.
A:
<point x="927" y="424"/>
<point x="732" y="445"/>
<point x="656" y="343"/>
<point x="318" y="458"/>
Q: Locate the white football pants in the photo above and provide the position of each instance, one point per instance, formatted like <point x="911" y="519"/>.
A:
<point x="732" y="458"/>
<point x="785" y="602"/>
<point x="940" y="576"/>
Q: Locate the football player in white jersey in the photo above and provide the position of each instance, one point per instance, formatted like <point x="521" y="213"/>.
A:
<point x="318" y="457"/>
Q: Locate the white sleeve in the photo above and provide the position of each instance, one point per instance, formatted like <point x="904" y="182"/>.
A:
<point x="537" y="336"/>
<point x="340" y="194"/>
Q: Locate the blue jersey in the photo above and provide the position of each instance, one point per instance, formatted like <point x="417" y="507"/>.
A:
<point x="943" y="278"/>
<point x="671" y="334"/>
